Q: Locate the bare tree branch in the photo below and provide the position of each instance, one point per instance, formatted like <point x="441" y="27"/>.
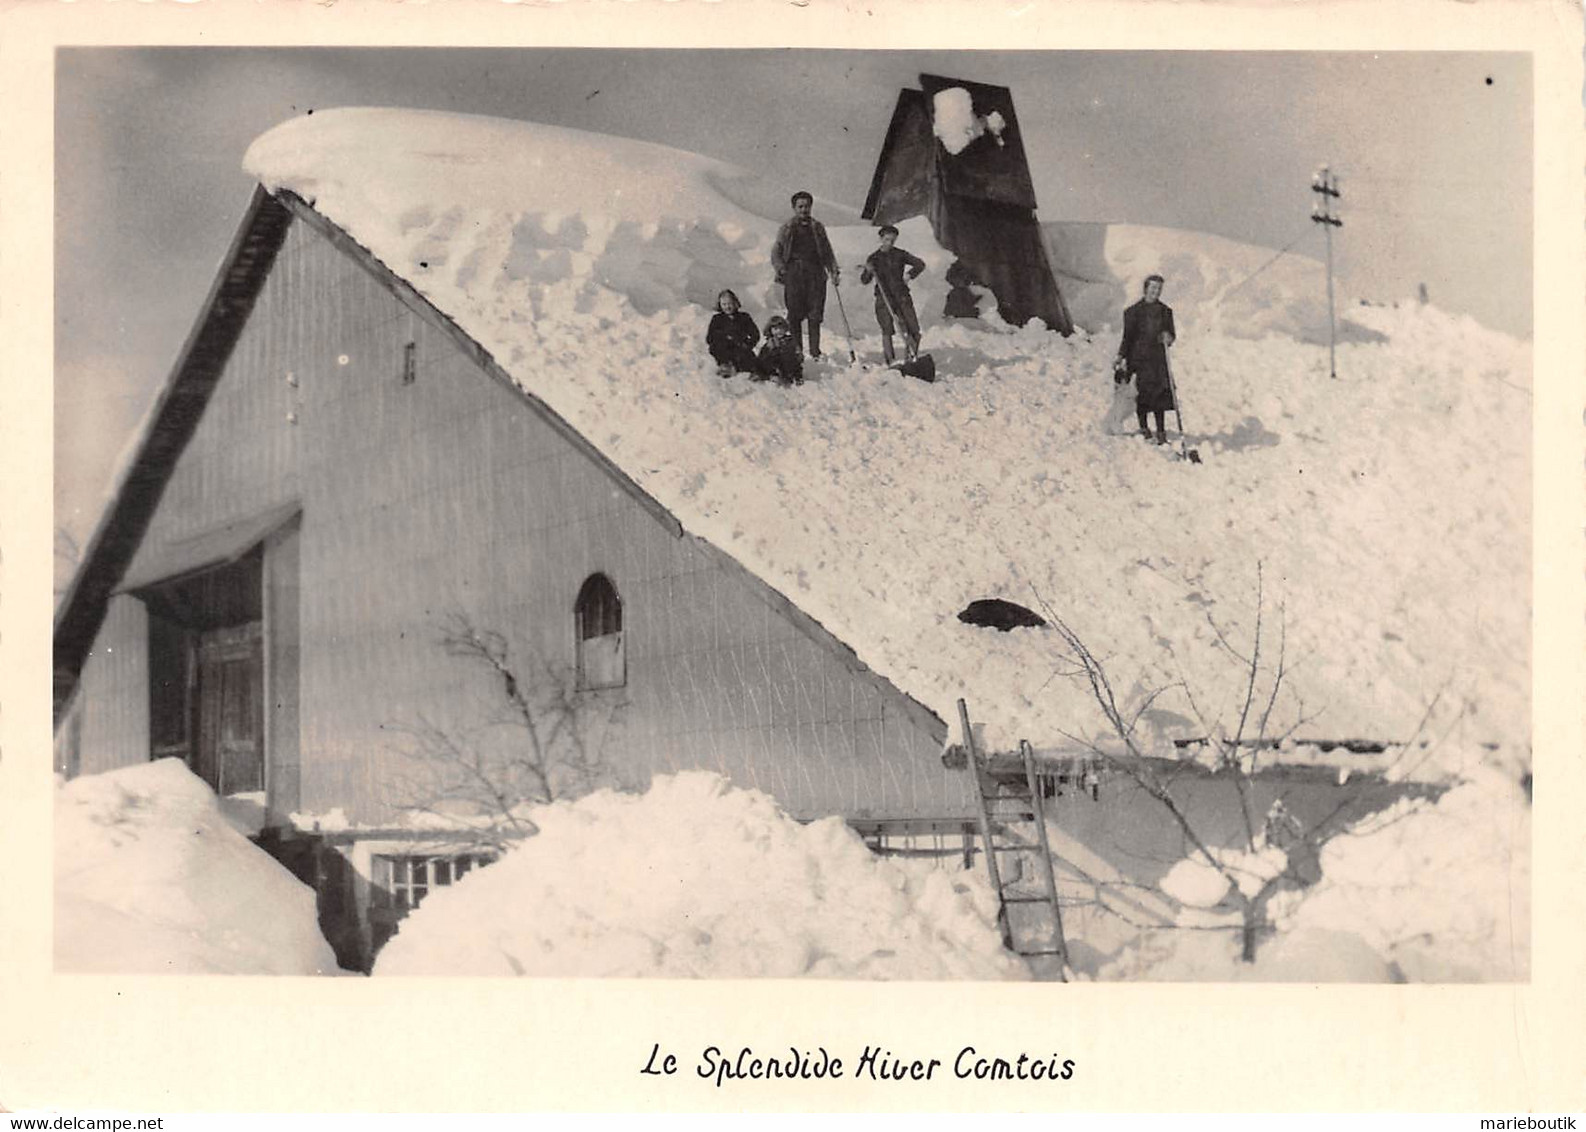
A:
<point x="1263" y="685"/>
<point x="479" y="783"/>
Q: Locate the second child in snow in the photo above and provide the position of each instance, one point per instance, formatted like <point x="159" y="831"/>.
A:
<point x="779" y="357"/>
<point x="886" y="266"/>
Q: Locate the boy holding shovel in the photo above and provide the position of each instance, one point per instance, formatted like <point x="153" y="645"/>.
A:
<point x="890" y="267"/>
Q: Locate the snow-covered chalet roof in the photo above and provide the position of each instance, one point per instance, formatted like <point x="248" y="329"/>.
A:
<point x="1388" y="510"/>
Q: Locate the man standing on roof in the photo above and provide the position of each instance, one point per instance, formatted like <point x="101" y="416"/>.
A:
<point x="802" y="259"/>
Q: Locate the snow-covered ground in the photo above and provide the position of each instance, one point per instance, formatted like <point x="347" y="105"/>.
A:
<point x="697" y="878"/>
<point x="153" y="876"/>
<point x="1388" y="510"/>
<point x="1423" y="892"/>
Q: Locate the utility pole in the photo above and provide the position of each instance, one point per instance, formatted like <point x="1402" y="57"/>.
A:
<point x="1325" y="185"/>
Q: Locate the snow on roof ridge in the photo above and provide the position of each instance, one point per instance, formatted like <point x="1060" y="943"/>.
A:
<point x="526" y="159"/>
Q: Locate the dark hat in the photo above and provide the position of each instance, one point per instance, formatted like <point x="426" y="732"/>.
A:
<point x="887" y="230"/>
<point x="801" y="195"/>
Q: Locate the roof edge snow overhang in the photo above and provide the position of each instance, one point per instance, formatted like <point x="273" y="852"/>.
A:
<point x="187" y="392"/>
<point x="170" y="425"/>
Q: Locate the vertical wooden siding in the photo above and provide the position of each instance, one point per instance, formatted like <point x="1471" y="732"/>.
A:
<point x="114" y="696"/>
<point x="282" y="664"/>
<point x="449" y="494"/>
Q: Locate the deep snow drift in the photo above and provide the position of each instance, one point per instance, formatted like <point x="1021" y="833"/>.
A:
<point x="697" y="878"/>
<point x="1389" y="509"/>
<point x="1422" y="892"/>
<point x="152" y="877"/>
<point x="1218" y="285"/>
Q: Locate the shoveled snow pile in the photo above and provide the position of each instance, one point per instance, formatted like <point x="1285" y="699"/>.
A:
<point x="151" y="877"/>
<point x="697" y="878"/>
<point x="1388" y="510"/>
<point x="1422" y="892"/>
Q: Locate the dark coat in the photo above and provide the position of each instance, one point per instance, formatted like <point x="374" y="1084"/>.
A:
<point x="732" y="338"/>
<point x="890" y="271"/>
<point x="1144" y="355"/>
<point x="781" y="361"/>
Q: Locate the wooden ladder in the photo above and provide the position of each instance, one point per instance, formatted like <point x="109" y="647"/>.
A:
<point x="1013" y="828"/>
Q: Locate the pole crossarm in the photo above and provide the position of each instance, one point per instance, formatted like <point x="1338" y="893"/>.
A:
<point x="1325" y="185"/>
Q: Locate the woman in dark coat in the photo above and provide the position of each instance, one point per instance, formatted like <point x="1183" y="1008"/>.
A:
<point x="731" y="336"/>
<point x="1147" y="333"/>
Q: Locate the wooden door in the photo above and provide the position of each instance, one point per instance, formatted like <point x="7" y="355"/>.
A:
<point x="230" y="754"/>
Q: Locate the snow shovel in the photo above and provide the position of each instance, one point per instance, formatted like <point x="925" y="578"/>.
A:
<point x="1185" y="452"/>
<point x="848" y="331"/>
<point x="922" y="366"/>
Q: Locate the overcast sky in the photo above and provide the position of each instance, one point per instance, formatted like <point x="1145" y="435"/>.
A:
<point x="1434" y="151"/>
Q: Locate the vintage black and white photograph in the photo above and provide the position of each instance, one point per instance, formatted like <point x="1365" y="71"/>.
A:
<point x="1055" y="515"/>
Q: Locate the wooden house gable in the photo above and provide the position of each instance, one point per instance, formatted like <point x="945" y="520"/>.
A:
<point x="396" y="480"/>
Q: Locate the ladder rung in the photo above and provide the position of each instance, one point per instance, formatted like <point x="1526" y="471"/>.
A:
<point x="1026" y="899"/>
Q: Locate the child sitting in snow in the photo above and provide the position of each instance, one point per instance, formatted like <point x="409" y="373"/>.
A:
<point x="732" y="336"/>
<point x="779" y="357"/>
<point x="886" y="266"/>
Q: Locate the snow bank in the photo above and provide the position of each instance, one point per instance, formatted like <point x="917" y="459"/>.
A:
<point x="1442" y="891"/>
<point x="1389" y="509"/>
<point x="1193" y="881"/>
<point x="696" y="878"/>
<point x="1213" y="284"/>
<point x="1422" y="892"/>
<point x="151" y="877"/>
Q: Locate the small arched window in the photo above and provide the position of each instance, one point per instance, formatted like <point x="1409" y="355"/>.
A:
<point x="597" y="624"/>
